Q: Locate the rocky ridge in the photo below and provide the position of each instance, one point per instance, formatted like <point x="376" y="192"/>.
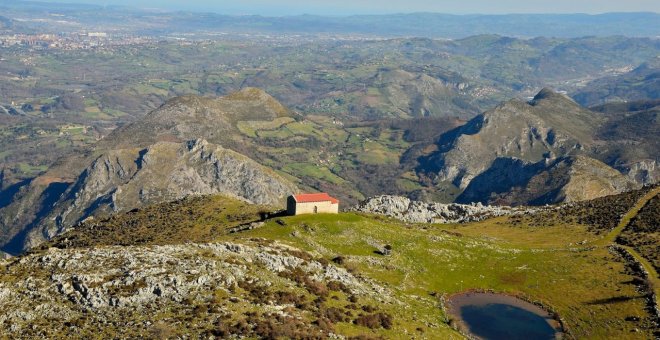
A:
<point x="407" y="210"/>
<point x="125" y="179"/>
<point x="39" y="209"/>
<point x="525" y="153"/>
<point x="550" y="181"/>
<point x="514" y="129"/>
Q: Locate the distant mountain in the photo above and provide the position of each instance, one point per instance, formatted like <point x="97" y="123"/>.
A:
<point x="190" y="117"/>
<point x="125" y="179"/>
<point x="565" y="179"/>
<point x="5" y="23"/>
<point x="631" y="135"/>
<point x="524" y="153"/>
<point x="435" y="25"/>
<point x="642" y="83"/>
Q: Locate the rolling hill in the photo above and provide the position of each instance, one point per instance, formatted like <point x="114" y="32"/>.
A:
<point x="640" y="84"/>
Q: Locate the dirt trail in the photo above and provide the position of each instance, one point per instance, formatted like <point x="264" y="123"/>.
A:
<point x="610" y="240"/>
<point x="625" y="220"/>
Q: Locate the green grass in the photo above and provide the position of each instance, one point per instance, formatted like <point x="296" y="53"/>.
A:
<point x="193" y="219"/>
<point x="32" y="169"/>
<point x="250" y="128"/>
<point x="314" y="171"/>
<point x="408" y="185"/>
<point x="552" y="264"/>
<point x="375" y="153"/>
<point x="543" y="265"/>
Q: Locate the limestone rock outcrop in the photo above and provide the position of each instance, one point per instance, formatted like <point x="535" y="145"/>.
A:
<point x="407" y="210"/>
<point x="125" y="179"/>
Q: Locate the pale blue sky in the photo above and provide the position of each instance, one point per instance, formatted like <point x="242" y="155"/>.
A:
<point x="346" y="7"/>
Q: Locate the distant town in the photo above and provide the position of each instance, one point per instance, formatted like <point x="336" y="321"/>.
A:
<point x="72" y="41"/>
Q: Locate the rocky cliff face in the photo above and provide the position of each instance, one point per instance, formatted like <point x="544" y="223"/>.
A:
<point x="644" y="171"/>
<point x="194" y="288"/>
<point x="407" y="210"/>
<point x="514" y="129"/>
<point x="564" y="179"/>
<point x="525" y="153"/>
<point x="130" y="178"/>
<point x="146" y="162"/>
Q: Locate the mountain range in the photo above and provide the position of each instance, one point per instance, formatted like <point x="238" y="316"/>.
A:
<point x="544" y="151"/>
<point x="547" y="150"/>
<point x="436" y="25"/>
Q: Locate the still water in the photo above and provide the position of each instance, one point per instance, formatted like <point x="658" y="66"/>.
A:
<point x="496" y="316"/>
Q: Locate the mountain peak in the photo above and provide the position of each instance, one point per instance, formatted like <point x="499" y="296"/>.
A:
<point x="554" y="98"/>
<point x="247" y="96"/>
<point x="249" y="93"/>
<point x="546" y="93"/>
<point x="189" y="117"/>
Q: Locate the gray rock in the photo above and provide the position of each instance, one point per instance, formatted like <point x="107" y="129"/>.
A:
<point x="406" y="210"/>
<point x="129" y="178"/>
<point x="108" y="282"/>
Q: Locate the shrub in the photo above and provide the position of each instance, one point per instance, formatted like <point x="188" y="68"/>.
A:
<point x="338" y="260"/>
<point x="334" y="314"/>
<point x="373" y="321"/>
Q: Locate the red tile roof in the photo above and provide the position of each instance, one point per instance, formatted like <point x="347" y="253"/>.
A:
<point x="320" y="197"/>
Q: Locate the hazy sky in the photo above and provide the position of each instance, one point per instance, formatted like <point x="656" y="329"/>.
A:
<point x="345" y="7"/>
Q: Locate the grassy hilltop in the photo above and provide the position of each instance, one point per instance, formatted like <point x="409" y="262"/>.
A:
<point x="557" y="257"/>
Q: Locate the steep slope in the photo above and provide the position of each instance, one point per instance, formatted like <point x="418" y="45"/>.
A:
<point x="190" y="117"/>
<point x="514" y="129"/>
<point x="642" y="83"/>
<point x="631" y="134"/>
<point x="564" y="179"/>
<point x="129" y="178"/>
<point x="178" y="121"/>
<point x="520" y="153"/>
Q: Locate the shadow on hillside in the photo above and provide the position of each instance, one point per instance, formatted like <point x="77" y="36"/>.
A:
<point x="49" y="197"/>
<point x="614" y="299"/>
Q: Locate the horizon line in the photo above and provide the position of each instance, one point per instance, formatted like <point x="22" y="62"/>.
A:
<point x="345" y="15"/>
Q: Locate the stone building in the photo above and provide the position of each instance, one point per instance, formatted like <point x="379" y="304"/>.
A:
<point x="312" y="204"/>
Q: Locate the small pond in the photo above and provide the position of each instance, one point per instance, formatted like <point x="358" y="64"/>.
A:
<point x="497" y="316"/>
